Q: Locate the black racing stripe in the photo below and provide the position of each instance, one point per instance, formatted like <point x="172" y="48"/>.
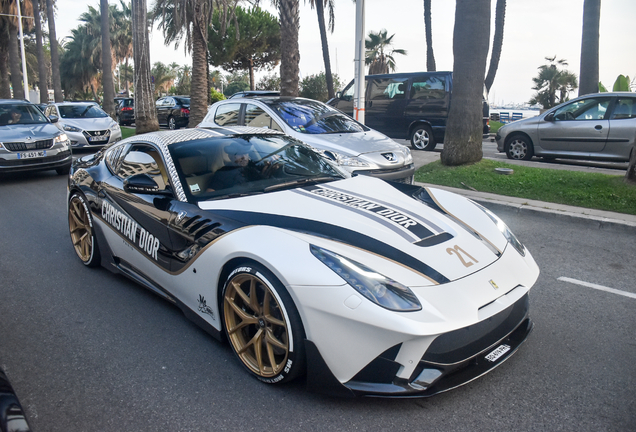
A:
<point x="333" y="232"/>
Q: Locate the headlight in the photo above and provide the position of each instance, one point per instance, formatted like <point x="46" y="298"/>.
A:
<point x="60" y="138"/>
<point x="408" y="157"/>
<point x="378" y="288"/>
<point x="71" y="128"/>
<point x="340" y="159"/>
<point x="512" y="239"/>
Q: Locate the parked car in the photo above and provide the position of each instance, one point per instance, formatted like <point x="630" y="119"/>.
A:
<point x="599" y="126"/>
<point x="355" y="147"/>
<point x="173" y="111"/>
<point x="125" y="110"/>
<point x="30" y="141"/>
<point x="247" y="93"/>
<point x="368" y="287"/>
<point x="411" y="106"/>
<point x="85" y="123"/>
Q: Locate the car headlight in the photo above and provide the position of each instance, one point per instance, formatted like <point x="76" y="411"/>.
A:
<point x="512" y="239"/>
<point x="340" y="159"/>
<point x="376" y="287"/>
<point x="60" y="138"/>
<point x="70" y="128"/>
<point x="408" y="157"/>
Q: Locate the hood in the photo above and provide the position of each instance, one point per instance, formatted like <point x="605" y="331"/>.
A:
<point x="351" y="144"/>
<point x="388" y="222"/>
<point x="90" y="124"/>
<point x="22" y="132"/>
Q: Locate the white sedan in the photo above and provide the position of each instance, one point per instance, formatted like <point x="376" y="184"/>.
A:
<point x="85" y="123"/>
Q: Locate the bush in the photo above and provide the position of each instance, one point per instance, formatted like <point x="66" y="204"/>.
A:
<point x="216" y="96"/>
<point x="315" y="86"/>
<point x="269" y="82"/>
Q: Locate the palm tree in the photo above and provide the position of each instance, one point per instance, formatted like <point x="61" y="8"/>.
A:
<point x="589" y="47"/>
<point x="463" y="140"/>
<point x="164" y="77"/>
<point x="497" y="43"/>
<point x="145" y="109"/>
<point x="189" y="20"/>
<point x="55" y="59"/>
<point x="320" y="10"/>
<point x="10" y="7"/>
<point x="290" y="54"/>
<point x="80" y="69"/>
<point x="5" y="86"/>
<point x="107" y="62"/>
<point x="42" y="69"/>
<point x="121" y="36"/>
<point x="550" y="80"/>
<point x="379" y="56"/>
<point x="430" y="58"/>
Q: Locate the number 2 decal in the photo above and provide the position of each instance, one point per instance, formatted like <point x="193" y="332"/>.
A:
<point x="461" y="253"/>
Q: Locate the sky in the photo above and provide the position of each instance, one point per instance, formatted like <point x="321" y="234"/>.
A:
<point x="534" y="29"/>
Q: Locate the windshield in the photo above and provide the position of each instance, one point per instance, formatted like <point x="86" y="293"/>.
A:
<point x="312" y="117"/>
<point x="20" y="114"/>
<point x="81" y="111"/>
<point x="243" y="165"/>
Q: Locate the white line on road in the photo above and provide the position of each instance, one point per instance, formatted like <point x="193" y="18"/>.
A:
<point x="598" y="287"/>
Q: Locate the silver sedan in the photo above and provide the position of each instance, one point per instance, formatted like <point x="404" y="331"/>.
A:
<point x="600" y="126"/>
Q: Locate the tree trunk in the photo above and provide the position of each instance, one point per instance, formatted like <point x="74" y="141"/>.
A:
<point x="55" y="58"/>
<point x="198" y="98"/>
<point x="497" y="43"/>
<point x="464" y="127"/>
<point x="145" y="110"/>
<point x="126" y="79"/>
<point x="107" y="63"/>
<point x="5" y="86"/>
<point x="42" y="69"/>
<point x="430" y="58"/>
<point x="251" y="71"/>
<point x="588" y="78"/>
<point x="290" y="54"/>
<point x="14" y="63"/>
<point x="630" y="175"/>
<point x="320" y="9"/>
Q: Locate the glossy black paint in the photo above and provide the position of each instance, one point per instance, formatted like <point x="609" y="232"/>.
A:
<point x="12" y="416"/>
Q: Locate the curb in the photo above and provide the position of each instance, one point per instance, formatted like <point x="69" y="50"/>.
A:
<point x="594" y="218"/>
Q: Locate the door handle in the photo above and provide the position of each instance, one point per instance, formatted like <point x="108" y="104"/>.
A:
<point x="598" y="127"/>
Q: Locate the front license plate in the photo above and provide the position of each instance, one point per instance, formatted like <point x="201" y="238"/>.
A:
<point x="498" y="352"/>
<point x="33" y="154"/>
<point x="98" y="138"/>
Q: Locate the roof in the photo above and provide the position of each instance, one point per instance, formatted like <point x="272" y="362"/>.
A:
<point x="15" y="101"/>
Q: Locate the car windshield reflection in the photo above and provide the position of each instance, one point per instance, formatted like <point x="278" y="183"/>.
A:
<point x="20" y="114"/>
<point x="312" y="117"/>
<point x="81" y="111"/>
<point x="246" y="165"/>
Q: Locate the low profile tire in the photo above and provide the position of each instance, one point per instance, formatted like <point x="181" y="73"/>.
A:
<point x="172" y="124"/>
<point x="422" y="138"/>
<point x="262" y="324"/>
<point x="80" y="224"/>
<point x="519" y="147"/>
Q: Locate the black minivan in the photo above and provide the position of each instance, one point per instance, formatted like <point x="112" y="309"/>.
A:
<point x="410" y="106"/>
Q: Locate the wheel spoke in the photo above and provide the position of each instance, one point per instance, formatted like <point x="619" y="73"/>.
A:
<point x="244" y="316"/>
<point x="241" y="293"/>
<point x="272" y="340"/>
<point x="254" y="297"/>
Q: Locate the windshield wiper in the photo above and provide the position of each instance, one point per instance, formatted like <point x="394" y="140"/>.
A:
<point x="304" y="182"/>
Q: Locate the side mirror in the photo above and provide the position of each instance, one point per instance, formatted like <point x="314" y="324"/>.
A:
<point x="549" y="117"/>
<point x="142" y="183"/>
<point x="53" y="118"/>
<point x="338" y="95"/>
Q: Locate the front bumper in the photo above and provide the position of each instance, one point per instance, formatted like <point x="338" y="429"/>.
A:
<point x="59" y="156"/>
<point x="453" y="359"/>
<point x="81" y="139"/>
<point x="402" y="174"/>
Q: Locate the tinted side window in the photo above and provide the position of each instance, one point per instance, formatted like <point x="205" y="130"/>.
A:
<point x="625" y="109"/>
<point x="255" y="116"/>
<point x="386" y="89"/>
<point x="144" y="159"/>
<point x="428" y="88"/>
<point x="227" y="115"/>
<point x="585" y="109"/>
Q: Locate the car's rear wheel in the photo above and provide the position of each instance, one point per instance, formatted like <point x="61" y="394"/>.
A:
<point x="262" y="324"/>
<point x="519" y="147"/>
<point x="172" y="124"/>
<point x="80" y="225"/>
<point x="422" y="138"/>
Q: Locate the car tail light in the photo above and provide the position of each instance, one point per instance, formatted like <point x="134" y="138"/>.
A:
<point x="126" y="109"/>
<point x="185" y="111"/>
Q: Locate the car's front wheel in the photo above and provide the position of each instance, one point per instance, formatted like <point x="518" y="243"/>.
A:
<point x="80" y="224"/>
<point x="422" y="138"/>
<point x="519" y="147"/>
<point x="262" y="324"/>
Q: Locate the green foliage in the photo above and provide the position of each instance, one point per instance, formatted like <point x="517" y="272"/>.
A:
<point x="216" y="96"/>
<point x="269" y="82"/>
<point x="552" y="82"/>
<point x="583" y="189"/>
<point x="622" y="84"/>
<point x="236" y="82"/>
<point x="315" y="86"/>
<point x="495" y="126"/>
<point x="378" y="55"/>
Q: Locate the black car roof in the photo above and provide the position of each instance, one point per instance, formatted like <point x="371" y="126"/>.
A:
<point x="15" y="101"/>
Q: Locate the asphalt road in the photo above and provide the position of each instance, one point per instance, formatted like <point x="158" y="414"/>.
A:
<point x="87" y="350"/>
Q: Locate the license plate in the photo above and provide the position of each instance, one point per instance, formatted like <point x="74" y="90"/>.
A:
<point x="33" y="154"/>
<point x="498" y="352"/>
<point x="98" y="138"/>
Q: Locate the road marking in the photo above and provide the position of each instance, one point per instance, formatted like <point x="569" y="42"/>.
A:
<point x="598" y="287"/>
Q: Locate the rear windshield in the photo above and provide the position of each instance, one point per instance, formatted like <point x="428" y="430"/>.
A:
<point x="20" y="114"/>
<point x="81" y="111"/>
<point x="183" y="101"/>
<point x="128" y="103"/>
<point x="312" y="117"/>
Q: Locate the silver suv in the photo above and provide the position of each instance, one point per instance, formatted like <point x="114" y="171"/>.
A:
<point x="30" y="141"/>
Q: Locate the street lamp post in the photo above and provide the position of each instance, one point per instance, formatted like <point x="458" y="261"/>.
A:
<point x="359" y="86"/>
<point x="25" y="78"/>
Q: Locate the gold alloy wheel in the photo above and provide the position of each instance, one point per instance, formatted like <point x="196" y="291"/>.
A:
<point x="81" y="231"/>
<point x="256" y="325"/>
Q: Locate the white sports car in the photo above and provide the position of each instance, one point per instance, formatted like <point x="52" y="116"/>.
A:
<point x="367" y="287"/>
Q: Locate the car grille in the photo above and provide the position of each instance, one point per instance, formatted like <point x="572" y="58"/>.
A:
<point x="21" y="146"/>
<point x="96" y="133"/>
<point x="461" y="344"/>
<point x="34" y="161"/>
